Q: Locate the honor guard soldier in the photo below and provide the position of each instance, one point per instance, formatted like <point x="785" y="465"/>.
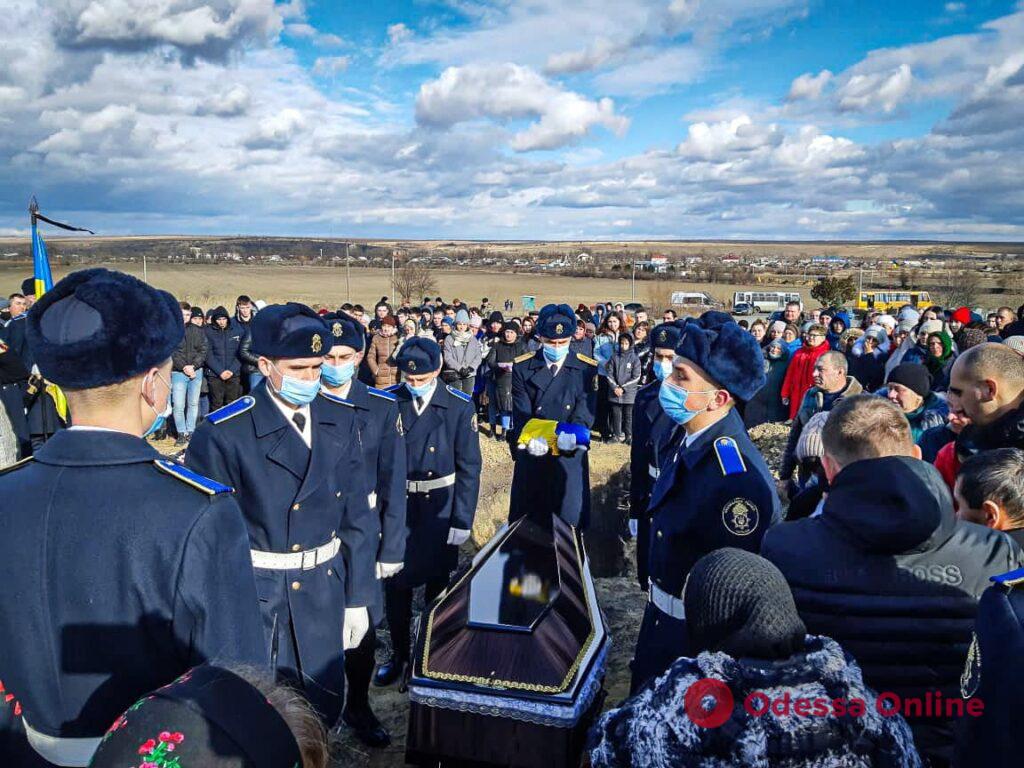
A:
<point x="713" y="489"/>
<point x="443" y="466"/>
<point x="294" y="461"/>
<point x="120" y="570"/>
<point x="652" y="429"/>
<point x="553" y="384"/>
<point x="379" y="429"/>
<point x="992" y="732"/>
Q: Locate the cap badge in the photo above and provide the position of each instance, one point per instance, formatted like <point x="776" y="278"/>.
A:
<point x="337" y="330"/>
<point x="412" y="365"/>
<point x="559" y="328"/>
<point x="663" y="336"/>
<point x="317" y="344"/>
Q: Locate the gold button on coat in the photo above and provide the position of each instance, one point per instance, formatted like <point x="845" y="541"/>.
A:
<point x="296" y="586"/>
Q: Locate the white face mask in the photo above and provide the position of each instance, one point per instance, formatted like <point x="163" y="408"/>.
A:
<point x="161" y="416"/>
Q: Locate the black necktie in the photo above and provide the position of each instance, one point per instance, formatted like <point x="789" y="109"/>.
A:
<point x="300" y="421"/>
<point x="419" y="404"/>
<point x="554" y="369"/>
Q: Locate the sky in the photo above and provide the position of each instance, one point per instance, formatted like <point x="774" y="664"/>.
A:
<point x="516" y="119"/>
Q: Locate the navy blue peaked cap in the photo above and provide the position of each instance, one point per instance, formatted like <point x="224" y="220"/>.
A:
<point x="666" y="335"/>
<point x="98" y="327"/>
<point x="729" y="354"/>
<point x="418" y="355"/>
<point x="344" y="331"/>
<point x="288" y="331"/>
<point x="556" y="321"/>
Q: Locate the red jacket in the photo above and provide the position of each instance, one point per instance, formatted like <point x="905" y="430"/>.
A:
<point x="948" y="464"/>
<point x="800" y="375"/>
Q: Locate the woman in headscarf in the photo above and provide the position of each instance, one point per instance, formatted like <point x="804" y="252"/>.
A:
<point x="754" y="656"/>
<point x="211" y="717"/>
<point x="766" y="406"/>
<point x="939" y="361"/>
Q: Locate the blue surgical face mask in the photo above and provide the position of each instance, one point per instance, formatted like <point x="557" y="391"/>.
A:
<point x="553" y="354"/>
<point x="673" y="401"/>
<point x="420" y="391"/>
<point x="161" y="416"/>
<point x="337" y="375"/>
<point x="297" y="391"/>
<point x="662" y="368"/>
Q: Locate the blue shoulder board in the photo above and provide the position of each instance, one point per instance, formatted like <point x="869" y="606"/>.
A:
<point x="460" y="394"/>
<point x="393" y="388"/>
<point x="229" y="411"/>
<point x="197" y="481"/>
<point x="336" y="399"/>
<point x="1009" y="579"/>
<point x="381" y="393"/>
<point x="729" y="457"/>
<point x="15" y="465"/>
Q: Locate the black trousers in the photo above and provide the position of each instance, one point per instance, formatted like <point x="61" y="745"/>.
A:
<point x="622" y="419"/>
<point x="398" y="609"/>
<point x="359" y="662"/>
<point x="223" y="392"/>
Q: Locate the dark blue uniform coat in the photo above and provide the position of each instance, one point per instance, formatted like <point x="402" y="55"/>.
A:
<point x="294" y="500"/>
<point x="117" y="578"/>
<point x="439" y="442"/>
<point x="705" y="498"/>
<point x="651" y="432"/>
<point x="379" y="430"/>
<point x="552" y="484"/>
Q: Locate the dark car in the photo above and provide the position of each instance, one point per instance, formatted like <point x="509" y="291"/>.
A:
<point x="743" y="309"/>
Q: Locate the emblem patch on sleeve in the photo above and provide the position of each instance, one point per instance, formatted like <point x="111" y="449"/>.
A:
<point x="740" y="517"/>
<point x="970" y="678"/>
<point x="398" y="425"/>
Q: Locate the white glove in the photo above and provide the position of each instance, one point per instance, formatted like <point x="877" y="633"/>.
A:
<point x="537" y="447"/>
<point x="357" y="623"/>
<point x="567" y="443"/>
<point x="457" y="536"/>
<point x="633" y="527"/>
<point x="387" y="570"/>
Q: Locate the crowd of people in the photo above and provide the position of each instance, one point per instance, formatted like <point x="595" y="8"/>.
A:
<point x="329" y="465"/>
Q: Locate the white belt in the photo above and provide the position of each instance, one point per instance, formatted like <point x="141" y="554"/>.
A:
<point x="73" y="753"/>
<point x="423" y="486"/>
<point x="372" y="498"/>
<point x="667" y="603"/>
<point x="293" y="561"/>
<point x="653" y="471"/>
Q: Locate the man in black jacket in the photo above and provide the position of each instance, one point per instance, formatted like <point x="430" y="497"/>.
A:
<point x="887" y="569"/>
<point x="187" y="377"/>
<point x="990" y="491"/>
<point x="987" y="385"/>
<point x="245" y="311"/>
<point x="223" y="365"/>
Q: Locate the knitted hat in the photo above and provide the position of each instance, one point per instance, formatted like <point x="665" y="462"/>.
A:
<point x="912" y="376"/>
<point x="962" y="316"/>
<point x="886" y="321"/>
<point x="810" y="446"/>
<point x="739" y="603"/>
<point x="971" y="337"/>
<point x="462" y="316"/>
<point x="877" y="333"/>
<point x="906" y="326"/>
<point x="778" y="325"/>
<point x="1016" y="343"/>
<point x="930" y="326"/>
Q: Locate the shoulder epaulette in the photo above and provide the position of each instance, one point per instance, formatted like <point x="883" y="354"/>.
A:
<point x="187" y="476"/>
<point x="585" y="359"/>
<point x="229" y="411"/>
<point x="1009" y="579"/>
<point x="729" y="457"/>
<point x="524" y="357"/>
<point x="15" y="465"/>
<point x="393" y="388"/>
<point x="460" y="394"/>
<point x="335" y="399"/>
<point x="381" y="393"/>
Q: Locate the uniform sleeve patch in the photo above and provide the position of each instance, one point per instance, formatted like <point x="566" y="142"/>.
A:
<point x="729" y="457"/>
<point x="229" y="411"/>
<point x="336" y="399"/>
<point x="381" y="393"/>
<point x="740" y="517"/>
<point x="187" y="476"/>
<point x="15" y="465"/>
<point x="460" y="394"/>
<point x="523" y="358"/>
<point x="585" y="359"/>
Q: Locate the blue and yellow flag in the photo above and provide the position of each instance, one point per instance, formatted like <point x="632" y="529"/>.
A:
<point x="44" y="282"/>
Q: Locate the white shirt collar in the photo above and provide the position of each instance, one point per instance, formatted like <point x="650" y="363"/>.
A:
<point x="692" y="438"/>
<point x="87" y="428"/>
<point x="306" y="433"/>
<point x="558" y="364"/>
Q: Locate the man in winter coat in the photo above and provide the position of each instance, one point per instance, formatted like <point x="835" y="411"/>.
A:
<point x="909" y="388"/>
<point x="987" y="385"/>
<point x="187" y="377"/>
<point x="245" y="311"/>
<point x="623" y="372"/>
<point x="887" y="570"/>
<point x="800" y="374"/>
<point x="223" y="365"/>
<point x="831" y="384"/>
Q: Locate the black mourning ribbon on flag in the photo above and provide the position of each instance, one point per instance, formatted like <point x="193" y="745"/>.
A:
<point x="68" y="227"/>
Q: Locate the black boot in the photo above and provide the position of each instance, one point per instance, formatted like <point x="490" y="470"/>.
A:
<point x="389" y="672"/>
<point x="366" y="726"/>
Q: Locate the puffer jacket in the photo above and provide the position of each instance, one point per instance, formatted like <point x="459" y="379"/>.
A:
<point x="380" y="360"/>
<point x="191" y="350"/>
<point x="652" y="729"/>
<point x="889" y="572"/>
<point x="624" y="370"/>
<point x="223" y="346"/>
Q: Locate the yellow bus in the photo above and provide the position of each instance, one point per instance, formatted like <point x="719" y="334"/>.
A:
<point x="885" y="301"/>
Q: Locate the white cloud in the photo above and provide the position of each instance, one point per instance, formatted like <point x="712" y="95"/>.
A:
<point x="398" y="32"/>
<point x="809" y="86"/>
<point x="509" y="91"/>
<point x="306" y="31"/>
<point x="277" y="131"/>
<point x="597" y="54"/>
<point x="881" y="90"/>
<point x="328" y="66"/>
<point x="654" y="70"/>
<point x="955" y="7"/>
<point x="233" y="102"/>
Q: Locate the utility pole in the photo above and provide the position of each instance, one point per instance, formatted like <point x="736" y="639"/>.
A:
<point x="632" y="287"/>
<point x="145" y="267"/>
<point x="348" y="273"/>
<point x="391" y="296"/>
